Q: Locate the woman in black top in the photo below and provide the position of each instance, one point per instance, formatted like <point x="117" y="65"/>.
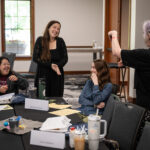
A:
<point x="50" y="54"/>
<point x="140" y="60"/>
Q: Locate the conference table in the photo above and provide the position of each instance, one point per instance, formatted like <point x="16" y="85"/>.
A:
<point x="12" y="141"/>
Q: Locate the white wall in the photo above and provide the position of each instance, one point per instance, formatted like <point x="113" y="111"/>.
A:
<point x="82" y="22"/>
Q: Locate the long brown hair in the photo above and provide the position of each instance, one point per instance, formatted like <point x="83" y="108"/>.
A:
<point x="102" y="72"/>
<point x="45" y="41"/>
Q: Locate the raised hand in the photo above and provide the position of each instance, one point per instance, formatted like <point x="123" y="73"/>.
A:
<point x="116" y="50"/>
<point x="94" y="78"/>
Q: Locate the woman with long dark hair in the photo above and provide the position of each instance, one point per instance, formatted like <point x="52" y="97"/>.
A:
<point x="96" y="90"/>
<point x="50" y="54"/>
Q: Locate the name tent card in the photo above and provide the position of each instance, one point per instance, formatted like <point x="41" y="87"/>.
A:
<point x="36" y="104"/>
<point x="47" y="139"/>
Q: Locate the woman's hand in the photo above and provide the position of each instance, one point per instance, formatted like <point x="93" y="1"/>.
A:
<point x="56" y="69"/>
<point x="101" y="105"/>
<point x="3" y="88"/>
<point x="13" y="78"/>
<point x="94" y="78"/>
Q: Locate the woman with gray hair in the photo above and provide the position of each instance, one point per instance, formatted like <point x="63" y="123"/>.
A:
<point x="139" y="59"/>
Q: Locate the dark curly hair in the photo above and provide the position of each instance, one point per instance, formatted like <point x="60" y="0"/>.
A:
<point x="1" y="59"/>
<point x="102" y="73"/>
<point x="45" y="41"/>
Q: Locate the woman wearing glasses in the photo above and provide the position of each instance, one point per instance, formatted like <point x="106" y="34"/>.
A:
<point x="10" y="81"/>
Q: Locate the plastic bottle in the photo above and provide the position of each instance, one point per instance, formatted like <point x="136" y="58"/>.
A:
<point x="94" y="45"/>
<point x="41" y="92"/>
<point x="71" y="137"/>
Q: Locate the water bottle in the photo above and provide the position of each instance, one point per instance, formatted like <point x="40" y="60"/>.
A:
<point x="94" y="45"/>
<point x="94" y="125"/>
<point x="41" y="92"/>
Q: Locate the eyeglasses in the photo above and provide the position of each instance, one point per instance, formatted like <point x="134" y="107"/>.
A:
<point x="5" y="64"/>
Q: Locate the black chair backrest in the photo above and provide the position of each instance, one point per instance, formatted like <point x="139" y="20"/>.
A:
<point x="109" y="109"/>
<point x="144" y="143"/>
<point x="33" y="67"/>
<point x="11" y="57"/>
<point x="123" y="122"/>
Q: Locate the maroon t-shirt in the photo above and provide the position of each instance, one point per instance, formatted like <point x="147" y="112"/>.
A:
<point x="3" y="80"/>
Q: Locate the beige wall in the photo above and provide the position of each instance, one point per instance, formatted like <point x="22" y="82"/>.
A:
<point x="82" y="22"/>
<point x="142" y="14"/>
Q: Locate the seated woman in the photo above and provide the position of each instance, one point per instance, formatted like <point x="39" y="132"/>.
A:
<point x="96" y="90"/>
<point x="10" y="82"/>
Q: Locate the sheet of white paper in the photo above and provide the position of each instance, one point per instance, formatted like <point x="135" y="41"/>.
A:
<point x="47" y="139"/>
<point x="6" y="96"/>
<point x="59" y="123"/>
<point x="36" y="104"/>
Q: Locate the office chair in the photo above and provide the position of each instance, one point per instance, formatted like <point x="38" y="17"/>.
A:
<point x="144" y="143"/>
<point x="124" y="120"/>
<point x="32" y="71"/>
<point x="123" y="73"/>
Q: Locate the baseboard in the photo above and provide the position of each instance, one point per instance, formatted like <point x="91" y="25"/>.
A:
<point x="76" y="72"/>
<point x="131" y="100"/>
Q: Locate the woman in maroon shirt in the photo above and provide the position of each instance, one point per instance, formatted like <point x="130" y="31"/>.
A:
<point x="10" y="81"/>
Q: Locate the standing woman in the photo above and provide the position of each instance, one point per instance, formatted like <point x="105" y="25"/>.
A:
<point x="50" y="54"/>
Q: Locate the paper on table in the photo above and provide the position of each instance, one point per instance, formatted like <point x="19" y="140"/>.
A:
<point x="64" y="112"/>
<point x="58" y="106"/>
<point x="6" y="98"/>
<point x="56" y="124"/>
<point x="5" y="107"/>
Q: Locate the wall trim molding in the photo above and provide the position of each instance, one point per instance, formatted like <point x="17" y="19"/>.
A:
<point x="131" y="100"/>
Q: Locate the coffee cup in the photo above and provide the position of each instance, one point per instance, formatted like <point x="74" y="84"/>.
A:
<point x="79" y="140"/>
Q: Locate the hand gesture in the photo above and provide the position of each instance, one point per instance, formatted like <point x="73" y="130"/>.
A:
<point x="101" y="105"/>
<point x="112" y="34"/>
<point x="3" y="88"/>
<point x="13" y="78"/>
<point x="56" y="69"/>
<point x="94" y="78"/>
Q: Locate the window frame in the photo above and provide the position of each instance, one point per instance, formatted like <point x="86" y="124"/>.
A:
<point x="32" y="29"/>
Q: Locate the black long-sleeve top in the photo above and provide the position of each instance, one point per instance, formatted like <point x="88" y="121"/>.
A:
<point x="140" y="60"/>
<point x="61" y="58"/>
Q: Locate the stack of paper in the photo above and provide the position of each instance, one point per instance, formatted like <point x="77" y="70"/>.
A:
<point x="56" y="124"/>
<point x="64" y="112"/>
<point x="5" y="107"/>
<point x="5" y="99"/>
<point x="58" y="106"/>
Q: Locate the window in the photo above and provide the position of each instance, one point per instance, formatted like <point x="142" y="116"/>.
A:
<point x="17" y="27"/>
